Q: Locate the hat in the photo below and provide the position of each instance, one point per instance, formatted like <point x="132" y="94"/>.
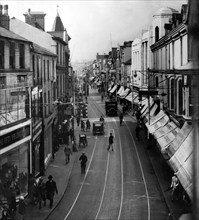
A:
<point x="50" y="177"/>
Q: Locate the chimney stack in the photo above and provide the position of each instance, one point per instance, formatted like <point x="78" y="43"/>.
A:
<point x="4" y="17"/>
<point x="5" y="10"/>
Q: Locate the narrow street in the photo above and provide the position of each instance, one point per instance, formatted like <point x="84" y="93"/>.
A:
<point x="119" y="184"/>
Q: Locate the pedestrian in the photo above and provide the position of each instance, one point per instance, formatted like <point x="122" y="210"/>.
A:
<point x="102" y="98"/>
<point x="11" y="198"/>
<point x="175" y="187"/>
<point x="137" y="131"/>
<point x="110" y="142"/>
<point x="32" y="188"/>
<point x="71" y="134"/>
<point x="51" y="188"/>
<point x="41" y="187"/>
<point x="83" y="158"/>
<point x="67" y="152"/>
<point x="137" y="115"/>
<point x="82" y="125"/>
<point x="22" y="207"/>
<point x="78" y="120"/>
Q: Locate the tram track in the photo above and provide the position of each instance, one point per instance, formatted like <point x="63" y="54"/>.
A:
<point x="97" y="109"/>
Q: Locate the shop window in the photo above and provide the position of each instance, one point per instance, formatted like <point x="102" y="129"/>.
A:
<point x="1" y="54"/>
<point x="21" y="56"/>
<point x="14" y="171"/>
<point x="12" y="55"/>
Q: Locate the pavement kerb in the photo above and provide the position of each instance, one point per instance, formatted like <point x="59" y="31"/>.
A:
<point x="64" y="190"/>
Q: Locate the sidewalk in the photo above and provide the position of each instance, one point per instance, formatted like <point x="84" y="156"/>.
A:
<point x="178" y="209"/>
<point x="56" y="168"/>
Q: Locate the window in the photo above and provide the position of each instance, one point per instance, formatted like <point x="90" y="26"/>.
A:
<point x="180" y="97"/>
<point x="48" y="70"/>
<point x="1" y="54"/>
<point x="21" y="79"/>
<point x="12" y="55"/>
<point x="49" y="104"/>
<point x="14" y="105"/>
<point x="156" y="33"/>
<point x="21" y="56"/>
<point x="45" y="106"/>
<point x="44" y="70"/>
<point x="2" y="82"/>
<point x="172" y="94"/>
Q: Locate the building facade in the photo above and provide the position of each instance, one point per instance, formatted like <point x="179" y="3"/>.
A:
<point x="15" y="114"/>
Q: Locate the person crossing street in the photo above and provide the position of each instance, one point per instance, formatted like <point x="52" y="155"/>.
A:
<point x="110" y="142"/>
<point x="83" y="158"/>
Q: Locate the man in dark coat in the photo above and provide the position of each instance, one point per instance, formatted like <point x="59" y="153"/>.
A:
<point x="83" y="159"/>
<point x="110" y="142"/>
<point x="51" y="188"/>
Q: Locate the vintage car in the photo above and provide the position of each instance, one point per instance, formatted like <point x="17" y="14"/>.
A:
<point x="98" y="127"/>
<point x="83" y="141"/>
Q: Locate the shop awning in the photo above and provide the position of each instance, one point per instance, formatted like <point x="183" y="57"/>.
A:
<point x="156" y="118"/>
<point x="182" y="161"/>
<point x="120" y="90"/>
<point x="129" y="97"/>
<point x="181" y="136"/>
<point x="164" y="130"/>
<point x="165" y="140"/>
<point x="124" y="93"/>
<point x="113" y="89"/>
<point x="145" y="102"/>
<point x="159" y="121"/>
<point x="111" y="86"/>
<point x="152" y="112"/>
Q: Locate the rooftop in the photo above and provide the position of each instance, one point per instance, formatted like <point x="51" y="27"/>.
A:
<point x="165" y="11"/>
<point x="11" y="35"/>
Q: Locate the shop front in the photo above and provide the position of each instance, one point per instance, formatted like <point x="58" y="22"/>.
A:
<point x="14" y="160"/>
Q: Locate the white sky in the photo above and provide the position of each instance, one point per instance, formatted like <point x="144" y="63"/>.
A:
<point x="94" y="26"/>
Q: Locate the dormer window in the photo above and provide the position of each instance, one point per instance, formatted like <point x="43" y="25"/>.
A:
<point x="156" y="33"/>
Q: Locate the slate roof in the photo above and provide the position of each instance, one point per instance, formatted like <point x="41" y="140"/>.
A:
<point x="11" y="35"/>
<point x="58" y="25"/>
<point x="42" y="50"/>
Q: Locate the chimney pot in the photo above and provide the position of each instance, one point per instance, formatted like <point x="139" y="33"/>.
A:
<point x="5" y="10"/>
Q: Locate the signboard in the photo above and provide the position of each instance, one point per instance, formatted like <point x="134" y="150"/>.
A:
<point x="14" y="136"/>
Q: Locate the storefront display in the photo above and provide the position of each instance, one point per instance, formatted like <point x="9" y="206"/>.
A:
<point x="14" y="171"/>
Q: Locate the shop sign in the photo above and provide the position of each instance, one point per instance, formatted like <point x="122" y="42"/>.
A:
<point x="14" y="136"/>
